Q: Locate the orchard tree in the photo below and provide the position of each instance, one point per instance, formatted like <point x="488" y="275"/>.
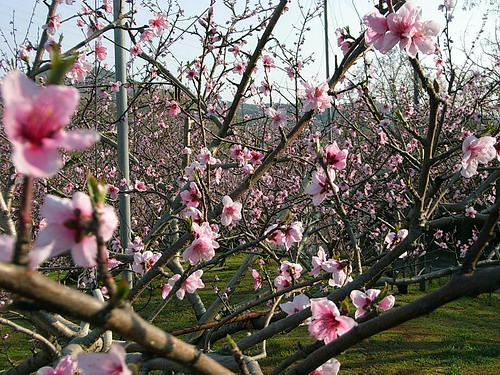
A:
<point x="323" y="193"/>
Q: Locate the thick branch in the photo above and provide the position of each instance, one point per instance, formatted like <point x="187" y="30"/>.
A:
<point x="52" y="296"/>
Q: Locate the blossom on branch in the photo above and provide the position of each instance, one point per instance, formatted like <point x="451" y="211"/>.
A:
<point x="340" y="270"/>
<point x="315" y="95"/>
<point x="203" y="247"/>
<point x="7" y="244"/>
<point x="53" y="24"/>
<point x="79" y="70"/>
<point x="231" y="211"/>
<point x="70" y="226"/>
<point x="330" y="367"/>
<point x="159" y="23"/>
<point x="192" y="197"/>
<point x="34" y="120"/>
<point x="66" y="366"/>
<point x="144" y="261"/>
<point x="404" y="27"/>
<point x="477" y="150"/>
<point x="363" y="301"/>
<point x="110" y="363"/>
<point x="319" y="188"/>
<point x="334" y="156"/>
<point x="277" y="116"/>
<point x="299" y="303"/>
<point x="327" y="323"/>
<point x="189" y="285"/>
<point x="257" y="278"/>
<point x="317" y="261"/>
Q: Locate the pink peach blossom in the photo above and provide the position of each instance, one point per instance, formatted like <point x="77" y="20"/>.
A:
<point x="422" y="40"/>
<point x="291" y="270"/>
<point x="377" y="28"/>
<point x="319" y="188"/>
<point x="147" y="35"/>
<point x="115" y="86"/>
<point x="110" y="363"/>
<point x="140" y="185"/>
<point x="277" y="116"/>
<point x="477" y="150"/>
<point x="69" y="227"/>
<point x="34" y="120"/>
<point x="79" y="70"/>
<point x="144" y="261"/>
<point x="195" y="214"/>
<point x="292" y="233"/>
<point x="268" y="63"/>
<point x="340" y="270"/>
<point x="392" y="239"/>
<point x="363" y="301"/>
<point x="257" y="279"/>
<point x="192" y="197"/>
<point x="159" y="23"/>
<point x="330" y="367"/>
<point x="66" y="366"/>
<point x="53" y="24"/>
<point x="240" y="67"/>
<point x="317" y="261"/>
<point x="195" y="167"/>
<point x="402" y="26"/>
<point x="299" y="303"/>
<point x="200" y="248"/>
<point x="189" y="285"/>
<point x="205" y="157"/>
<point x="315" y="95"/>
<point x="327" y="323"/>
<point x="231" y="211"/>
<point x="256" y="157"/>
<point x="470" y="212"/>
<point x="166" y="289"/>
<point x="136" y="49"/>
<point x="334" y="156"/>
<point x="173" y="108"/>
<point x="100" y="51"/>
<point x="276" y="236"/>
<point x="203" y="247"/>
<point x="281" y="282"/>
<point x="7" y="244"/>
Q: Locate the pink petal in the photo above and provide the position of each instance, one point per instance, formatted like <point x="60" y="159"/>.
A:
<point x="82" y="202"/>
<point x="372" y="294"/>
<point x="227" y="201"/>
<point x="84" y="253"/>
<point x="56" y="209"/>
<point x="37" y="162"/>
<point x="358" y="298"/>
<point x="108" y="222"/>
<point x="55" y="236"/>
<point x="323" y="306"/>
<point x="6" y="248"/>
<point x="78" y="139"/>
<point x="387" y="303"/>
<point x="16" y="86"/>
<point x="345" y="325"/>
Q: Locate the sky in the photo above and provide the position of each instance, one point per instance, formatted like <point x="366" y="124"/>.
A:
<point x="340" y="13"/>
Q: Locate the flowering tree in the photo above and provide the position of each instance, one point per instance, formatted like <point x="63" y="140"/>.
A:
<point x="313" y="188"/>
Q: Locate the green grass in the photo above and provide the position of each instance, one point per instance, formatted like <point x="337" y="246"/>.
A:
<point x="461" y="338"/>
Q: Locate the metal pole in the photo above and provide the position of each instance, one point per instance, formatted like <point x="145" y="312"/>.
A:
<point x="122" y="124"/>
<point x="327" y="55"/>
